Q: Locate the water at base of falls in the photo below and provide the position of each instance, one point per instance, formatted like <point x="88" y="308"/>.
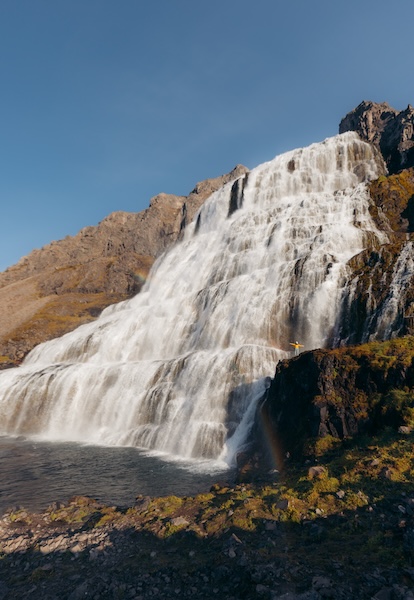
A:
<point x="33" y="474"/>
<point x="180" y="367"/>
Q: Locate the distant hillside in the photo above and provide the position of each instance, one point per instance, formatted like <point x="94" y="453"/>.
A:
<point x="69" y="282"/>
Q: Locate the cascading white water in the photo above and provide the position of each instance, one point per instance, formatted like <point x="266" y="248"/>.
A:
<point x="387" y="320"/>
<point x="180" y="367"/>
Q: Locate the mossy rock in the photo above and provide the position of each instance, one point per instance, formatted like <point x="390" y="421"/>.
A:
<point x="393" y="199"/>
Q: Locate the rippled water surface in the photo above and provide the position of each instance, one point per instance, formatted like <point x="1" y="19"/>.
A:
<point x="35" y="473"/>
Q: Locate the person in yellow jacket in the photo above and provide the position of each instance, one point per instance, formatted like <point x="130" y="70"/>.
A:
<point x="296" y="346"/>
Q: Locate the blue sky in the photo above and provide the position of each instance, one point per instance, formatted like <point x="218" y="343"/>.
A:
<point x="105" y="103"/>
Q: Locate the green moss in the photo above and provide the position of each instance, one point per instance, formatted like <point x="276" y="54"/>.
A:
<point x="320" y="446"/>
<point x="392" y="196"/>
<point x="167" y="505"/>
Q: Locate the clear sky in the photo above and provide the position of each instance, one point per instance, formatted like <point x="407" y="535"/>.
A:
<point x="105" y="103"/>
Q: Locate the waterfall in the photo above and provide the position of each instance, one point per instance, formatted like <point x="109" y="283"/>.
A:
<point x="179" y="368"/>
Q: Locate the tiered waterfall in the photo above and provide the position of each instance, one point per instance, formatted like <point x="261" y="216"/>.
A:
<point x="180" y="367"/>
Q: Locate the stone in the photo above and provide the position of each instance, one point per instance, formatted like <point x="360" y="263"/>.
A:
<point x="316" y="471"/>
<point x="386" y="473"/>
<point x="179" y="521"/>
<point x="390" y="130"/>
<point x="323" y="586"/>
<point x="142" y="503"/>
<point x="383" y="594"/>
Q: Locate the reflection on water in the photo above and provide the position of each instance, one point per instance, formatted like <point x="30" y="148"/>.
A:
<point x="35" y="473"/>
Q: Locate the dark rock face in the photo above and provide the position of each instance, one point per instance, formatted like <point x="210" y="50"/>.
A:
<point x="389" y="130"/>
<point x="340" y="393"/>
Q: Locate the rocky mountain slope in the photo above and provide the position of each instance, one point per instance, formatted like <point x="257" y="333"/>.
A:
<point x="68" y="282"/>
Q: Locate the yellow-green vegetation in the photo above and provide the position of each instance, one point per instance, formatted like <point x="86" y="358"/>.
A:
<point x="350" y="505"/>
<point x="383" y="355"/>
<point x="166" y="505"/>
<point x="382" y="362"/>
<point x="321" y="446"/>
<point x="60" y="315"/>
<point x="359" y="473"/>
<point x="20" y="516"/>
<point x="393" y="195"/>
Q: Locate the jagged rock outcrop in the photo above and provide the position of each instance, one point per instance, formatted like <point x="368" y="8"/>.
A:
<point x="68" y="282"/>
<point x="389" y="130"/>
<point x="393" y="204"/>
<point x="340" y="393"/>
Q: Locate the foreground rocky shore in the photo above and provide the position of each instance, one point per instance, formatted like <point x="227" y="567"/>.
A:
<point x="337" y="525"/>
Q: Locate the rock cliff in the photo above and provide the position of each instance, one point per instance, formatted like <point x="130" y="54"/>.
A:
<point x="340" y="393"/>
<point x="390" y="130"/>
<point x="69" y="282"/>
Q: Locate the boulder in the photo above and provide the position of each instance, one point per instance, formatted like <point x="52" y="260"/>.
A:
<point x="337" y="394"/>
